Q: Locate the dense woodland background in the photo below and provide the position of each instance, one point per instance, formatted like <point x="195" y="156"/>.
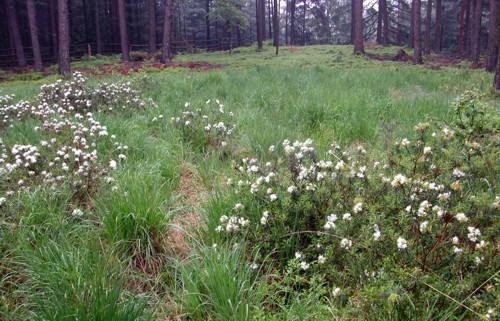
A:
<point x="39" y="31"/>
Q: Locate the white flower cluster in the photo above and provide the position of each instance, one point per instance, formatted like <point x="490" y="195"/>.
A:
<point x="11" y="111"/>
<point x="211" y="121"/>
<point x="77" y="96"/>
<point x="234" y="223"/>
<point x="68" y="153"/>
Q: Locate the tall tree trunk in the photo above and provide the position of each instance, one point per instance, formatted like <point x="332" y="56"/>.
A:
<point x="304" y="24"/>
<point x="238" y="36"/>
<point x="276" y="26"/>
<point x="53" y="27"/>
<point x="476" y="32"/>
<point x="34" y="35"/>
<point x="497" y="73"/>
<point x="411" y="36"/>
<point x="469" y="17"/>
<point x="167" y="31"/>
<point x="64" y="38"/>
<point x="97" y="27"/>
<point x="382" y="23"/>
<point x="379" y="22"/>
<point x="287" y="18"/>
<point x="15" y="34"/>
<point x="85" y="24"/>
<point x="385" y="23"/>
<point x="151" y="26"/>
<point x="257" y="23"/>
<point x="207" y="20"/>
<point x="464" y="5"/>
<point x="260" y="22"/>
<point x="262" y="16"/>
<point x="494" y="35"/>
<point x="292" y="23"/>
<point x="229" y="36"/>
<point x="122" y="21"/>
<point x="428" y="22"/>
<point x="353" y="18"/>
<point x="417" y="50"/>
<point x="358" y="27"/>
<point x="269" y="19"/>
<point x="438" y="35"/>
<point x="399" y="22"/>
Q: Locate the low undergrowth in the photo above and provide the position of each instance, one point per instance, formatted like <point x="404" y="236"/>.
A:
<point x="384" y="223"/>
<point x="391" y="234"/>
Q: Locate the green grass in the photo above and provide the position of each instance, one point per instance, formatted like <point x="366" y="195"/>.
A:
<point x="56" y="266"/>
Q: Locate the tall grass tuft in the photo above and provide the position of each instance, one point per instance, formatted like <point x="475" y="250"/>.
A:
<point x="68" y="282"/>
<point x="135" y="213"/>
<point x="218" y="284"/>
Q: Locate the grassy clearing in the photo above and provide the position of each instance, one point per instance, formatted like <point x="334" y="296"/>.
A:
<point x="103" y="251"/>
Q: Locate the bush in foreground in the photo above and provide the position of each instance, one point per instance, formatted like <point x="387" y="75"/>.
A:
<point x="414" y="230"/>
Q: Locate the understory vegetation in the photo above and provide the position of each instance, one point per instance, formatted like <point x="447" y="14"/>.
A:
<point x="363" y="190"/>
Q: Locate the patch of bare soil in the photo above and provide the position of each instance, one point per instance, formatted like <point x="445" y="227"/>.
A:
<point x="192" y="194"/>
<point x="400" y="56"/>
<point x="432" y="61"/>
<point x="123" y="68"/>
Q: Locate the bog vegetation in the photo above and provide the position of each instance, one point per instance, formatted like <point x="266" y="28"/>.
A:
<point x="350" y="189"/>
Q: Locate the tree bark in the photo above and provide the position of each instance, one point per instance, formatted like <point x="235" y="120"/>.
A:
<point x="262" y="16"/>
<point x="53" y="28"/>
<point x="167" y="31"/>
<point x="151" y="26"/>
<point x="122" y="21"/>
<point x="476" y="32"/>
<point x="97" y="27"/>
<point x="497" y="73"/>
<point x="260" y="19"/>
<point x="385" y="23"/>
<point x="353" y="18"/>
<point x="276" y="26"/>
<point x="494" y="35"/>
<point x="358" y="27"/>
<point x="34" y="35"/>
<point x="269" y="18"/>
<point x="411" y="36"/>
<point x="64" y="38"/>
<point x="379" y="23"/>
<point x="399" y="22"/>
<point x="417" y="50"/>
<point x="428" y="25"/>
<point x="207" y="19"/>
<point x="382" y="23"/>
<point x="304" y="24"/>
<point x="469" y="17"/>
<point x="464" y="5"/>
<point x="15" y="34"/>
<point x="292" y="23"/>
<point x="438" y="35"/>
<point x="85" y="23"/>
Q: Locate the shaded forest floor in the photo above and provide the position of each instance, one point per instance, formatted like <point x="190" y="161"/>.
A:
<point x="116" y="68"/>
<point x="326" y="55"/>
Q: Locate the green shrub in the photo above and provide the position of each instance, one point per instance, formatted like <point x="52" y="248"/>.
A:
<point x="208" y="126"/>
<point x="424" y="216"/>
<point x="138" y="55"/>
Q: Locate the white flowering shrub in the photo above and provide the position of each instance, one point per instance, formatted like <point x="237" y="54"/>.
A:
<point x="424" y="215"/>
<point x="77" y="95"/>
<point x="206" y="126"/>
<point x="67" y="153"/>
<point x="11" y="110"/>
